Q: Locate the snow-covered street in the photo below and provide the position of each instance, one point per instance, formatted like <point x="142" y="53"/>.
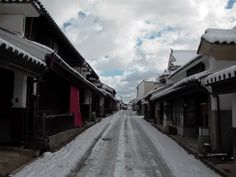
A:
<point x="124" y="150"/>
<point x="122" y="145"/>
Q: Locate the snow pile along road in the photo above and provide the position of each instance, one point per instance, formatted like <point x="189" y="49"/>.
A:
<point x="60" y="163"/>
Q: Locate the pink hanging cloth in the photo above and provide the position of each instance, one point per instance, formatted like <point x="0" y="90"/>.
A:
<point x="75" y="106"/>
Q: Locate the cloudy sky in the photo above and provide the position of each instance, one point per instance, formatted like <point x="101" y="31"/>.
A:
<point x="127" y="41"/>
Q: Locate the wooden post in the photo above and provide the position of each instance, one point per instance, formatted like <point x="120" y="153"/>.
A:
<point x="44" y="133"/>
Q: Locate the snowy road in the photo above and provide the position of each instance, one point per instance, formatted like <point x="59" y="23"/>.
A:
<point x="126" y="149"/>
<point x="122" y="145"/>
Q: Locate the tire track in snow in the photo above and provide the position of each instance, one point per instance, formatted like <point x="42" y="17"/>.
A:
<point x="143" y="159"/>
<point x="101" y="161"/>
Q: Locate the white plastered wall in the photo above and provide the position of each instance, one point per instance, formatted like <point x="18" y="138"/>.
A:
<point x="20" y="90"/>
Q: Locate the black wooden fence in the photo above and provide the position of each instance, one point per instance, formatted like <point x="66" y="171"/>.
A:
<point x="54" y="124"/>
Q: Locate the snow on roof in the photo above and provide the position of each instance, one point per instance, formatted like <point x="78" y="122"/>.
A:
<point x="168" y="89"/>
<point x="159" y="92"/>
<point x="110" y="95"/>
<point x="25" y="55"/>
<point x="154" y="92"/>
<point x="33" y="48"/>
<point x="196" y="57"/>
<point x="226" y="36"/>
<point x="155" y="89"/>
<point x="191" y="78"/>
<point x="58" y="30"/>
<point x="47" y="17"/>
<point x="221" y="75"/>
<point x="165" y="73"/>
<point x="34" y="52"/>
<point x="107" y="93"/>
<point x="91" y="70"/>
<point x="60" y="60"/>
<point x="181" y="57"/>
<point x="107" y="87"/>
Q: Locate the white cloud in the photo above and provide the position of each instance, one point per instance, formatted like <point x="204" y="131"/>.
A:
<point x="136" y="36"/>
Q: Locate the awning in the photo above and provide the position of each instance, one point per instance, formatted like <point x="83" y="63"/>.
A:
<point x="193" y="79"/>
<point x="221" y="75"/>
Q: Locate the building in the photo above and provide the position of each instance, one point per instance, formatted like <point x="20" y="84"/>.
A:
<point x="141" y="105"/>
<point x="110" y="101"/>
<point x="143" y="88"/>
<point x="219" y="45"/>
<point x="50" y="88"/>
<point x="196" y="100"/>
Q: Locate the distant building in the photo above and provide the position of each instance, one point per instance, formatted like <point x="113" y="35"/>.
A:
<point x="142" y="90"/>
<point x="144" y="87"/>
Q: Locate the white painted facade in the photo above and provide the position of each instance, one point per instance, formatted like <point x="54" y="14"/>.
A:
<point x="12" y="19"/>
<point x="13" y="23"/>
<point x="20" y="90"/>
<point x="182" y="72"/>
<point x="228" y="103"/>
<point x="217" y="65"/>
<point x="12" y="16"/>
<point x="144" y="87"/>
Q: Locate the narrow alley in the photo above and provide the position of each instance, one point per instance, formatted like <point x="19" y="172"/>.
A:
<point x="125" y="145"/>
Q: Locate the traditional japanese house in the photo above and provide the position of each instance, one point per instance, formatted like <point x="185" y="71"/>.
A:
<point x="43" y="92"/>
<point x="93" y="105"/>
<point x="45" y="31"/>
<point x="18" y="67"/>
<point x="198" y="98"/>
<point x="219" y="45"/>
<point x="143" y="88"/>
<point x="177" y="59"/>
<point x="222" y="84"/>
<point x="153" y="113"/>
<point x="182" y="104"/>
<point x="110" y="102"/>
<point x="141" y="106"/>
